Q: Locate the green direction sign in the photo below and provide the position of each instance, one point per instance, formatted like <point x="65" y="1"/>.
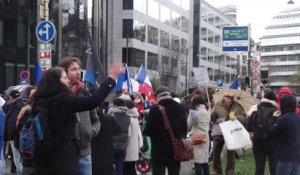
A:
<point x="235" y="33"/>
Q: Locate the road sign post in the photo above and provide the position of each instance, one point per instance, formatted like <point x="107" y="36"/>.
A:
<point x="235" y="39"/>
<point x="45" y="32"/>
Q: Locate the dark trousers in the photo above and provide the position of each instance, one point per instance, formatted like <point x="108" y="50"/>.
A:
<point x="119" y="157"/>
<point x="160" y="168"/>
<point x="129" y="168"/>
<point x="201" y="168"/>
<point x="260" y="155"/>
<point x="218" y="142"/>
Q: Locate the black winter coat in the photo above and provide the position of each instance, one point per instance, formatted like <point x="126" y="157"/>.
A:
<point x="161" y="142"/>
<point x="12" y="110"/>
<point x="63" y="159"/>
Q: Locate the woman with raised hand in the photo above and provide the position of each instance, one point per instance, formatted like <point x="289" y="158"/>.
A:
<point x="60" y="156"/>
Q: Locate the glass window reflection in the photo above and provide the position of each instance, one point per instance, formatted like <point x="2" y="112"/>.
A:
<point x="140" y="5"/>
<point x="165" y="14"/>
<point x="175" y="43"/>
<point x="186" y="5"/>
<point x="139" y="30"/>
<point x="21" y="39"/>
<point x="152" y="61"/>
<point x="153" y="9"/>
<point x="136" y="57"/>
<point x="152" y="35"/>
<point x="184" y="24"/>
<point x="1" y="32"/>
<point x="177" y="2"/>
<point x="164" y="39"/>
<point x="175" y="20"/>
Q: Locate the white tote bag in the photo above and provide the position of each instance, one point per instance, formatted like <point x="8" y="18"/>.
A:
<point x="235" y="135"/>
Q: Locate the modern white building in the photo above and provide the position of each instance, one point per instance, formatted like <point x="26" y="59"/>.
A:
<point x="280" y="48"/>
<point x="206" y="40"/>
<point x="153" y="33"/>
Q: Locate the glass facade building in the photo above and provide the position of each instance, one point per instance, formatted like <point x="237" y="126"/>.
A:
<point x="280" y="48"/>
<point x="151" y="33"/>
<point x="207" y="42"/>
<point x="17" y="40"/>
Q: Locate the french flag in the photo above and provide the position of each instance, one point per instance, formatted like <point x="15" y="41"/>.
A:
<point x="124" y="82"/>
<point x="144" y="81"/>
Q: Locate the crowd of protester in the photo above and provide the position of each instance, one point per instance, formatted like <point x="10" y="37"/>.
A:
<point x="93" y="136"/>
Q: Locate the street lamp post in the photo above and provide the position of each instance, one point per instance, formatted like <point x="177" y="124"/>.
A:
<point x="186" y="73"/>
<point x="127" y="40"/>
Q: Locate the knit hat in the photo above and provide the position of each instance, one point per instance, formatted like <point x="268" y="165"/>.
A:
<point x="288" y="103"/>
<point x="162" y="91"/>
<point x="14" y="94"/>
<point x="125" y="97"/>
<point x="269" y="94"/>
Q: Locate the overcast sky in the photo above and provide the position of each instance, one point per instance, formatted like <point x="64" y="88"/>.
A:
<point x="258" y="13"/>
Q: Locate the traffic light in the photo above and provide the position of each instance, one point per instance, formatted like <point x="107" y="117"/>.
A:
<point x="247" y="81"/>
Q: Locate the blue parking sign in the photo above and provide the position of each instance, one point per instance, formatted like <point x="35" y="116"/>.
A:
<point x="45" y="31"/>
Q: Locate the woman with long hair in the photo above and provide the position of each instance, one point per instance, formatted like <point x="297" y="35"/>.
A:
<point x="60" y="156"/>
<point x="198" y="123"/>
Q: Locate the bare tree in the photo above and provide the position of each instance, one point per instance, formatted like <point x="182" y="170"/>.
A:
<point x="295" y="79"/>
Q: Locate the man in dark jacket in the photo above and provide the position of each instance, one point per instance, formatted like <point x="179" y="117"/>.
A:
<point x="286" y="132"/>
<point x="89" y="125"/>
<point x="12" y="109"/>
<point x="259" y="117"/>
<point x="162" y="153"/>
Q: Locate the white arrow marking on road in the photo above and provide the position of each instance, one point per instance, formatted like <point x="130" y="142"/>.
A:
<point x="41" y="31"/>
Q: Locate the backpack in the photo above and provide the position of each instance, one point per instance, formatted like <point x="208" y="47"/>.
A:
<point x="261" y="122"/>
<point x="35" y="135"/>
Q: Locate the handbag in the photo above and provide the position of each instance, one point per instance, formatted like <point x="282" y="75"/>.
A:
<point x="198" y="139"/>
<point x="183" y="149"/>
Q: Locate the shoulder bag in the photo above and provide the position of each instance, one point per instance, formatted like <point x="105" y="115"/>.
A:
<point x="182" y="148"/>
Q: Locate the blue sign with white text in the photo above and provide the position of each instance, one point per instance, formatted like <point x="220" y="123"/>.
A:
<point x="45" y="31"/>
<point x="235" y="39"/>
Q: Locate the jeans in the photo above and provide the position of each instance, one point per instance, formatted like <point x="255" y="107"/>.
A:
<point x="17" y="158"/>
<point x="160" y="168"/>
<point x="28" y="170"/>
<point x="284" y="168"/>
<point x="119" y="157"/>
<point x="218" y="143"/>
<point x="202" y="168"/>
<point x="85" y="164"/>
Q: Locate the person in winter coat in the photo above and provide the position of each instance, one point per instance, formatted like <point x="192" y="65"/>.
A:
<point x="220" y="113"/>
<point x="161" y="152"/>
<point x="286" y="132"/>
<point x="12" y="109"/>
<point x="286" y="91"/>
<point x="135" y="139"/>
<point x="119" y="112"/>
<point x="198" y="123"/>
<point x="259" y="117"/>
<point x="58" y="154"/>
<point x="89" y="125"/>
<point x="102" y="145"/>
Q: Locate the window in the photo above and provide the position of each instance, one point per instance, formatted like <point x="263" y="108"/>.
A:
<point x="164" y="39"/>
<point x="184" y="24"/>
<point x="186" y="5"/>
<point x="140" y="5"/>
<point x="152" y="35"/>
<point x="21" y="36"/>
<point x="139" y="30"/>
<point x="175" y="43"/>
<point x="136" y="57"/>
<point x="127" y="4"/>
<point x="175" y="20"/>
<point x="10" y="29"/>
<point x="153" y="9"/>
<point x="152" y="61"/>
<point x="127" y="28"/>
<point x="1" y="32"/>
<point x="165" y="14"/>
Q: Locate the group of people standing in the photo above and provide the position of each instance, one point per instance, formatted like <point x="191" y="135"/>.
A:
<point x="89" y="141"/>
